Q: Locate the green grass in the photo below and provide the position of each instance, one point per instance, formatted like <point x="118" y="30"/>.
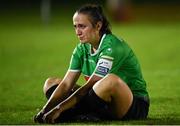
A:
<point x="30" y="53"/>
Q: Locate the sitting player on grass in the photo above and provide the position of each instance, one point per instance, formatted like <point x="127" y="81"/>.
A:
<point x="115" y="88"/>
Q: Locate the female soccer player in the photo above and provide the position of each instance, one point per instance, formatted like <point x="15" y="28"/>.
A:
<point x="115" y="87"/>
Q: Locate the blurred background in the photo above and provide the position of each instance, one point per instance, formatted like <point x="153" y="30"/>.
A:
<point x="118" y="10"/>
<point x="37" y="39"/>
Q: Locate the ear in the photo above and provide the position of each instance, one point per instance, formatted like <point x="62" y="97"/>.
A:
<point x="99" y="25"/>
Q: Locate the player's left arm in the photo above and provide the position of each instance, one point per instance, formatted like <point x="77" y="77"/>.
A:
<point x="72" y="100"/>
<point x="102" y="69"/>
<point x="103" y="66"/>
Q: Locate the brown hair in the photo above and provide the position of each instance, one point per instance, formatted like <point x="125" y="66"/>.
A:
<point x="96" y="14"/>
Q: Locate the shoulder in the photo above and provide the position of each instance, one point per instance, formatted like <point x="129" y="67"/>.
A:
<point x="114" y="38"/>
<point x="114" y="43"/>
<point x="114" y="46"/>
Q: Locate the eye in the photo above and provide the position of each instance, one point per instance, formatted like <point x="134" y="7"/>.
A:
<point x="81" y="26"/>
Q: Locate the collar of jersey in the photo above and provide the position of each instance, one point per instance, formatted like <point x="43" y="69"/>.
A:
<point x="98" y="47"/>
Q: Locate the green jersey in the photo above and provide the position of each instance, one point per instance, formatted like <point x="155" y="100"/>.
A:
<point x="112" y="56"/>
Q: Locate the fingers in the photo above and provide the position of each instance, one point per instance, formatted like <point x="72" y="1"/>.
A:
<point x="47" y="119"/>
<point x="43" y="119"/>
<point x="38" y="118"/>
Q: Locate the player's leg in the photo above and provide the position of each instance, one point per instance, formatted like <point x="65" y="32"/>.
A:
<point x="49" y="87"/>
<point x="51" y="84"/>
<point x="115" y="91"/>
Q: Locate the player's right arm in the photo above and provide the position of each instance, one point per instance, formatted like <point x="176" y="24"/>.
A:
<point x="61" y="92"/>
<point x="66" y="84"/>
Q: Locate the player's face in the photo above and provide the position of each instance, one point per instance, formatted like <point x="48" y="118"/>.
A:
<point x="85" y="30"/>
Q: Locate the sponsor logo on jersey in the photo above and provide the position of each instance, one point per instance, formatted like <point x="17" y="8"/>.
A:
<point x="103" y="66"/>
<point x="102" y="70"/>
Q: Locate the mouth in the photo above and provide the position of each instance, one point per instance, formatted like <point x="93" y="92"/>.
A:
<point x="80" y="38"/>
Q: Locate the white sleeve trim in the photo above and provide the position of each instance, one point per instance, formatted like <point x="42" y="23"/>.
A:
<point x="73" y="70"/>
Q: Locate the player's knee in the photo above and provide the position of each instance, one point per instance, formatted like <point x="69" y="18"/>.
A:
<point x="114" y="81"/>
<point x="107" y="87"/>
<point x="113" y="77"/>
<point x="49" y="83"/>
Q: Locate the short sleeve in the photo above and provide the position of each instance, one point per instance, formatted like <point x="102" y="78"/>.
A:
<point x="110" y="60"/>
<point x="75" y="62"/>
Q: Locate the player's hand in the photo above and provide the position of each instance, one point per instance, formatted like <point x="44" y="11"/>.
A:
<point x="52" y="115"/>
<point x="39" y="117"/>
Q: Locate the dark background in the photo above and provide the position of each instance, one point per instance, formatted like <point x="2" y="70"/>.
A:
<point x="18" y="4"/>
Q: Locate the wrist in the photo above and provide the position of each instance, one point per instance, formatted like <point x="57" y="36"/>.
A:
<point x="59" y="108"/>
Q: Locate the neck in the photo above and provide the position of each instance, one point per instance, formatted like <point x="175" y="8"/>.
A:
<point x="96" y="43"/>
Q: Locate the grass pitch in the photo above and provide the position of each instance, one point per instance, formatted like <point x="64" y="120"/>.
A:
<point x="31" y="52"/>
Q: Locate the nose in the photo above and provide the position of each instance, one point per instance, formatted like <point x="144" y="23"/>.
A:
<point x="78" y="32"/>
